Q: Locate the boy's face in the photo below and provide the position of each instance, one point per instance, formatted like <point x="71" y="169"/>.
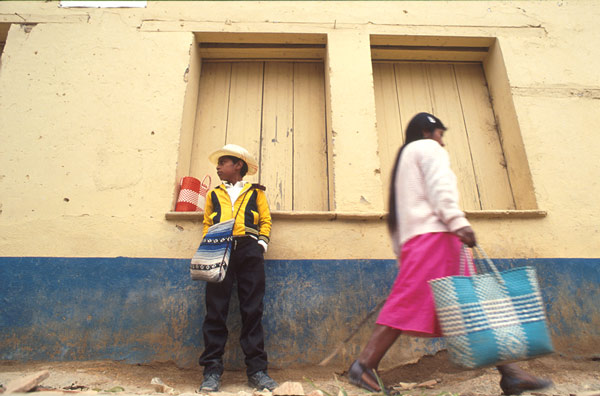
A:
<point x="229" y="171"/>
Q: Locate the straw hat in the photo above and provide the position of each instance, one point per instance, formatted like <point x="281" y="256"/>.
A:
<point x="235" y="151"/>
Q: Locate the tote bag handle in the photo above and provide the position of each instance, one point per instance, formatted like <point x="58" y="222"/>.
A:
<point x="466" y="258"/>
<point x="486" y="263"/>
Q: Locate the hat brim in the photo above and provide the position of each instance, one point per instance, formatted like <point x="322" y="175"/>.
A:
<point x="251" y="162"/>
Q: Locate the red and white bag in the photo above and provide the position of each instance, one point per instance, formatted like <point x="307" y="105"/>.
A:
<point x="192" y="194"/>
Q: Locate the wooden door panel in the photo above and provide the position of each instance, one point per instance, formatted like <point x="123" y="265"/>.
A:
<point x="245" y="108"/>
<point x="277" y="142"/>
<point x="310" y="142"/>
<point x="486" y="151"/>
<point x="211" y="117"/>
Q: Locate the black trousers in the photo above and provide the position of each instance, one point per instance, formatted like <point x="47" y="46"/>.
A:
<point x="246" y="266"/>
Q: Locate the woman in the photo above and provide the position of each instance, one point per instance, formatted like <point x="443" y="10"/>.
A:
<point x="428" y="229"/>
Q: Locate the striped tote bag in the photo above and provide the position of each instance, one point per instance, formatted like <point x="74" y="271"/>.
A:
<point x="491" y="318"/>
<point x="211" y="260"/>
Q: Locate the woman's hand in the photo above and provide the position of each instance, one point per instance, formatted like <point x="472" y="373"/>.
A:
<point x="466" y="235"/>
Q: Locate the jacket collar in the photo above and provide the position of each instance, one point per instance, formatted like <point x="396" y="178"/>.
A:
<point x="247" y="185"/>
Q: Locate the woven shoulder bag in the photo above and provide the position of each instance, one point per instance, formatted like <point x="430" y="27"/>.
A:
<point x="211" y="260"/>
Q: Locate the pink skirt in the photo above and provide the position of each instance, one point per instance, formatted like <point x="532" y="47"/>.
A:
<point x="410" y="306"/>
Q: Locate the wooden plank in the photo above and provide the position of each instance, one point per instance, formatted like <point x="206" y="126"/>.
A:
<point x="282" y="53"/>
<point x="245" y="107"/>
<point x="389" y="128"/>
<point x="447" y="41"/>
<point x="248" y="37"/>
<point x="310" y="143"/>
<point x="489" y="163"/>
<point x="211" y="117"/>
<point x="426" y="55"/>
<point x="277" y="143"/>
<point x="413" y="91"/>
<point x="237" y="60"/>
<point x="446" y="106"/>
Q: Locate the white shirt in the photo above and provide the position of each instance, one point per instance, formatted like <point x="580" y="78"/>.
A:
<point x="234" y="190"/>
<point x="426" y="193"/>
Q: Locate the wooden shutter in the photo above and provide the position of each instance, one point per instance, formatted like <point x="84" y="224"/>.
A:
<point x="457" y="93"/>
<point x="276" y="110"/>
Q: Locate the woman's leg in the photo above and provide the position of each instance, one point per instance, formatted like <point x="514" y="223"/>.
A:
<point x="515" y="380"/>
<point x="382" y="338"/>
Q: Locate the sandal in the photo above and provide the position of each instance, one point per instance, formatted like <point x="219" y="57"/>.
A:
<point x="355" y="374"/>
<point x="516" y="386"/>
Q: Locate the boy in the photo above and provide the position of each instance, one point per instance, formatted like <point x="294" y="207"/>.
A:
<point x="246" y="265"/>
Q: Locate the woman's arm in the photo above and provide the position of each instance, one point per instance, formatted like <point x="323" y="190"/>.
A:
<point x="442" y="191"/>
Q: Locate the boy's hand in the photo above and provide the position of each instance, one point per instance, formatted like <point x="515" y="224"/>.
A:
<point x="263" y="245"/>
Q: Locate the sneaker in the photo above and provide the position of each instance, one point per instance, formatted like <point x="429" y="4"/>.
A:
<point x="261" y="380"/>
<point x="211" y="383"/>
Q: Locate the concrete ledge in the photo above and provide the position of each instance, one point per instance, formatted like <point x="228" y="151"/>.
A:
<point x="471" y="214"/>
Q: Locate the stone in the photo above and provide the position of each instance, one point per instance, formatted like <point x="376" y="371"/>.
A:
<point x="427" y="384"/>
<point x="590" y="393"/>
<point x="25" y="384"/>
<point x="160" y="387"/>
<point x="289" y="388"/>
<point x="316" y="392"/>
<point x="115" y="389"/>
<point x="405" y="385"/>
<point x="263" y="392"/>
<point x="242" y="393"/>
<point x="60" y="393"/>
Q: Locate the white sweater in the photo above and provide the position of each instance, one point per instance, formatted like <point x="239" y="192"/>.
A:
<point x="426" y="193"/>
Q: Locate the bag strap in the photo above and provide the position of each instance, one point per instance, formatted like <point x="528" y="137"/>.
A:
<point x="204" y="187"/>
<point x="234" y="217"/>
<point x="482" y="255"/>
<point x="465" y="257"/>
<point x="240" y="207"/>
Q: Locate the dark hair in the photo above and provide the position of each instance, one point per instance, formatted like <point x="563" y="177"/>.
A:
<point x="235" y="160"/>
<point x="422" y="122"/>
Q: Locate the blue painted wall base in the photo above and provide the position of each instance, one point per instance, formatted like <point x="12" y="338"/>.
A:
<point x="141" y="310"/>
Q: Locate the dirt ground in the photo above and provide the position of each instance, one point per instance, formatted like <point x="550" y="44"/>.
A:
<point x="571" y="376"/>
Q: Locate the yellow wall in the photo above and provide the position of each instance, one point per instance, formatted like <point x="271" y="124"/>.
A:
<point x="92" y="111"/>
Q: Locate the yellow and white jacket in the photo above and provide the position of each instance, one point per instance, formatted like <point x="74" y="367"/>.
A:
<point x="254" y="217"/>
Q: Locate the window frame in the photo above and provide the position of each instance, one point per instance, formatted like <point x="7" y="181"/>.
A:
<point x="240" y="47"/>
<point x="487" y="51"/>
